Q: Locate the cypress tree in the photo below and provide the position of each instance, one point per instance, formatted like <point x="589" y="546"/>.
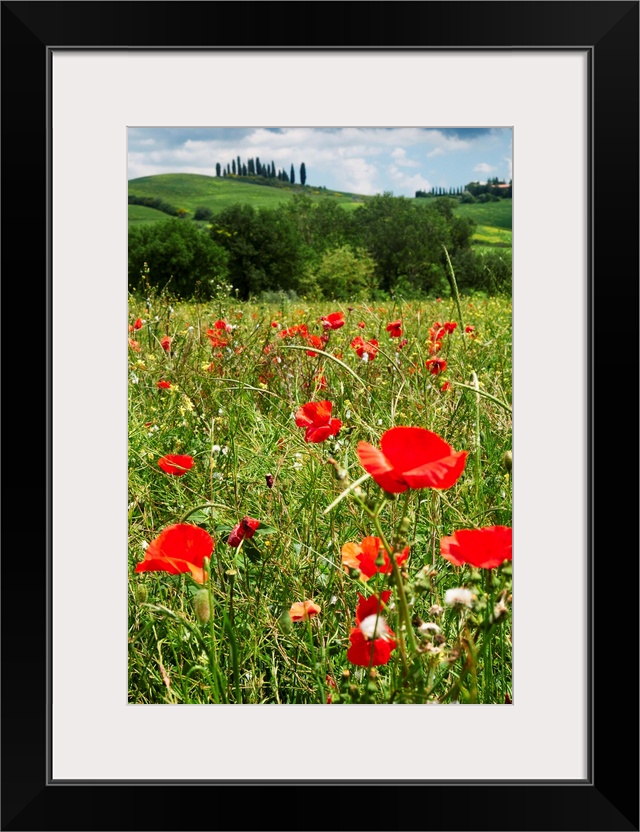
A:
<point x="292" y="175"/>
<point x="233" y="167"/>
<point x="217" y="168"/>
<point x="303" y="174"/>
<point x="239" y="166"/>
<point x="244" y="169"/>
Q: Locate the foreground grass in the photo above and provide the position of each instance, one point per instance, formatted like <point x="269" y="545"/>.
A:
<point x="231" y="408"/>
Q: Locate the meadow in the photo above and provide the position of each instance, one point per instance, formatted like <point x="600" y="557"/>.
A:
<point x="320" y="501"/>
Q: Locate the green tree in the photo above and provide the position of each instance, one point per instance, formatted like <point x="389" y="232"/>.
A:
<point x="303" y="174"/>
<point x="233" y="166"/>
<point x="292" y="175"/>
<point x="218" y="170"/>
<point x="182" y="258"/>
<point x="343" y="273"/>
<point x="265" y="250"/>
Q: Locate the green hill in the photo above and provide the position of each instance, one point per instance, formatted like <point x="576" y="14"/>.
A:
<point x="192" y="191"/>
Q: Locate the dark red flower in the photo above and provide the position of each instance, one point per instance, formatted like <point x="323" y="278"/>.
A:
<point x="470" y="330"/>
<point x="316" y="418"/>
<point x="361" y="324"/>
<point x="412" y="457"/>
<point x="483" y="548"/>
<point x="179" y="548"/>
<point x="164" y="385"/>
<point x="446" y="386"/>
<point x="165" y="342"/>
<point x="450" y="326"/>
<point x="245" y="528"/>
<point x="332" y="321"/>
<point x="372" y="640"/>
<point x="363" y="556"/>
<point x="177" y="464"/>
<point x="269" y="480"/>
<point x="362" y="347"/>
<point x="436" y="366"/>
<point x="138" y="323"/>
<point x="395" y="329"/>
<point x="402" y="343"/>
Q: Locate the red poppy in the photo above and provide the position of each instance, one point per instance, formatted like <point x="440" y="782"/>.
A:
<point x="362" y="347"/>
<point x="436" y="366"/>
<point x="361" y="324"/>
<point x="245" y="528"/>
<point x="223" y="325"/>
<point x="302" y="610"/>
<point x="402" y="343"/>
<point x="450" y="326"/>
<point x="135" y="346"/>
<point x="316" y="342"/>
<point x="437" y="332"/>
<point x="412" y="457"/>
<point x="395" y="329"/>
<point x="179" y="548"/>
<point x="446" y="386"/>
<point x="215" y="339"/>
<point x="320" y="380"/>
<point x="332" y="321"/>
<point x="470" y="330"/>
<point x="372" y="640"/>
<point x="363" y="556"/>
<point x="138" y="323"/>
<point x="165" y="342"/>
<point x="483" y="548"/>
<point x="177" y="464"/>
<point x="296" y="329"/>
<point x="316" y="418"/>
<point x="164" y="385"/>
<point x="275" y="324"/>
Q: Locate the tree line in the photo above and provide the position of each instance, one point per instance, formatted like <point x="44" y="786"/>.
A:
<point x="388" y="247"/>
<point x="254" y="167"/>
<point x="489" y="191"/>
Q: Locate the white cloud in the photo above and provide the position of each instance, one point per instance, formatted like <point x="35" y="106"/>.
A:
<point x="437" y="151"/>
<point x="509" y="162"/>
<point x="400" y="156"/>
<point x="409" y="183"/>
<point x="484" y="167"/>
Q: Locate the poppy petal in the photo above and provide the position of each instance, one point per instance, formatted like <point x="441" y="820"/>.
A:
<point x="407" y="448"/>
<point x="381" y="469"/>
<point x="441" y="473"/>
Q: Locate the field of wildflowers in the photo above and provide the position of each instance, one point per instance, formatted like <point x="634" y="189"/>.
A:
<point x="320" y="502"/>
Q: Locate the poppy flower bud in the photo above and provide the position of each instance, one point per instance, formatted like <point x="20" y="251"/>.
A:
<point x="201" y="605"/>
<point x="507" y="460"/>
<point x="285" y="623"/>
<point x="346" y="674"/>
<point x="141" y="594"/>
<point x="404" y="526"/>
<point x="269" y="479"/>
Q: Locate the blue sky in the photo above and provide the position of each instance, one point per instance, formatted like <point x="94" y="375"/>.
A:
<point x="365" y="160"/>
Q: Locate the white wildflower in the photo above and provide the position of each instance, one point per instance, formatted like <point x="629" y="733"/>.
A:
<point x="459" y="597"/>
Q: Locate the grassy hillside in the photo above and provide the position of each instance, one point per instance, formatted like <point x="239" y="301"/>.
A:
<point x="494" y="214"/>
<point x="140" y="214"/>
<point x="191" y="191"/>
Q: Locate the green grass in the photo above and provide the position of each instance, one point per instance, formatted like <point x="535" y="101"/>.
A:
<point x="487" y="235"/>
<point x="231" y="408"/>
<point x="142" y="214"/>
<point x="191" y="191"/>
<point x="496" y="214"/>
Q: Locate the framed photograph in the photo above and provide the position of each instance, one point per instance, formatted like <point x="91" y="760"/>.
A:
<point x="80" y="751"/>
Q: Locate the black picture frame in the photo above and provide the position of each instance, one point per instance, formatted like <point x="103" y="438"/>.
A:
<point x="608" y="798"/>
